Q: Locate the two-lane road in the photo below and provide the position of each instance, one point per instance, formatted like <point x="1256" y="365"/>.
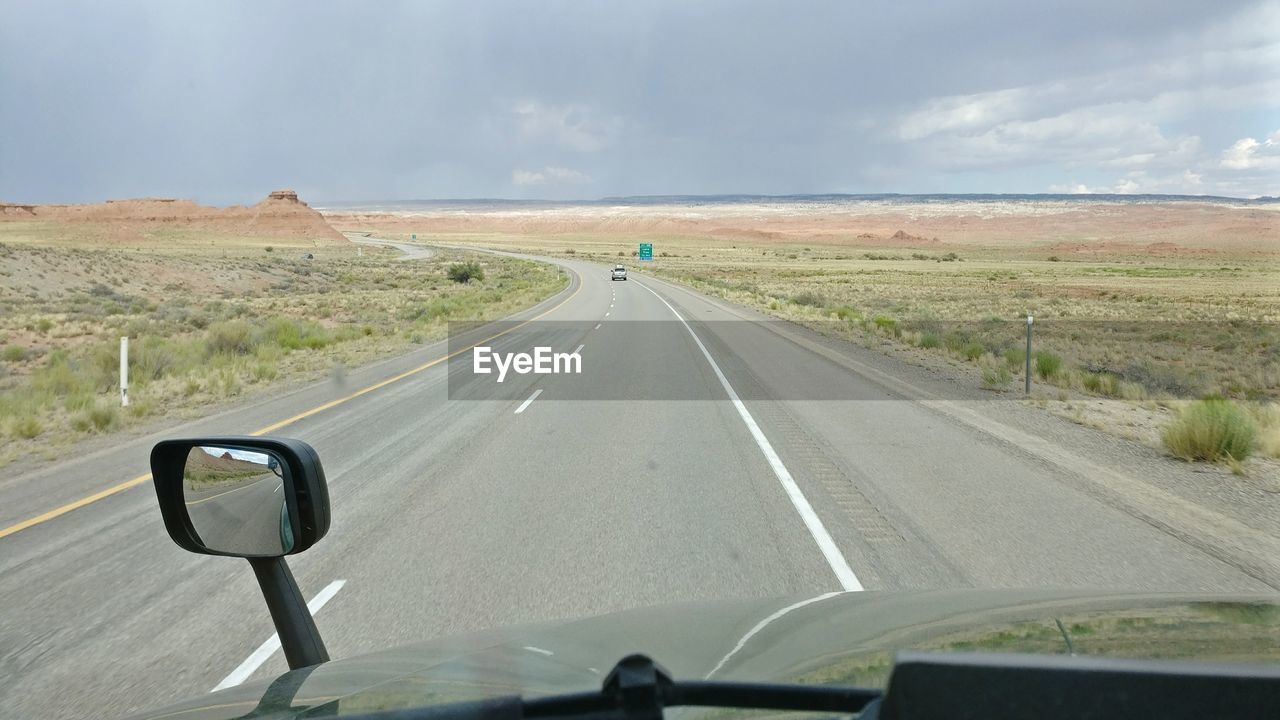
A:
<point x="698" y="456"/>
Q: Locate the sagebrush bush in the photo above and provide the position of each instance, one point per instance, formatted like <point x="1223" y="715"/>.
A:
<point x="468" y="271"/>
<point x="1211" y="430"/>
<point x="229" y="337"/>
<point x="809" y="298"/>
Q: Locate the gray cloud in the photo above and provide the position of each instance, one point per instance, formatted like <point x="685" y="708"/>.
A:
<point x="224" y="101"/>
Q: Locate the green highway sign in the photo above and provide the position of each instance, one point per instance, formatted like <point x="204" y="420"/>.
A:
<point x="646" y="251"/>
<point x="413" y="236"/>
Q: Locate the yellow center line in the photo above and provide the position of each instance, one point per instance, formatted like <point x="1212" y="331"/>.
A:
<point x="235" y="489"/>
<point x="56" y="512"/>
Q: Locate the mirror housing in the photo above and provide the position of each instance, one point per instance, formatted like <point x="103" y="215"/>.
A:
<point x="306" y="496"/>
<point x="239" y="463"/>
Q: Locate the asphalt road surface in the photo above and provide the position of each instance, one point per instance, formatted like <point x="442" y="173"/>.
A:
<point x="457" y="515"/>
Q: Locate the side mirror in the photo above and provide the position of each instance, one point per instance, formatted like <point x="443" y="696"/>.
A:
<point x="241" y="496"/>
<point x="258" y="498"/>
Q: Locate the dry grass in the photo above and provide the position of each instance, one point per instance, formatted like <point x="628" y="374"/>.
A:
<point x="208" y="322"/>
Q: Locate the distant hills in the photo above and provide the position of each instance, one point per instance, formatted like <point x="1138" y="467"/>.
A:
<point x="824" y="198"/>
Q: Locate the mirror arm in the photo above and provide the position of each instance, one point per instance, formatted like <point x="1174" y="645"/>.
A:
<point x="299" y="637"/>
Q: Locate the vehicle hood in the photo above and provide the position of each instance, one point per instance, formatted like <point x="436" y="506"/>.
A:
<point x="844" y="638"/>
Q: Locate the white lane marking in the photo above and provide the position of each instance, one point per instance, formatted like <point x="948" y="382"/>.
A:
<point x="848" y="580"/>
<point x="268" y="648"/>
<point x="575" y="352"/>
<point x="597" y="327"/>
<point x="606" y="314"/>
<point x="525" y="404"/>
<point x="762" y="625"/>
<point x="531" y="648"/>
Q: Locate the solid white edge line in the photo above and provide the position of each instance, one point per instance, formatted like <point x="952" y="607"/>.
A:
<point x="268" y="648"/>
<point x="848" y="580"/>
<point x="525" y="404"/>
<point x="762" y="625"/>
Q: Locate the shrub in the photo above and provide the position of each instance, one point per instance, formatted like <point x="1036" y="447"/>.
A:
<point x="1047" y="364"/>
<point x="14" y="353"/>
<point x="291" y="334"/>
<point x="1212" y="429"/>
<point x="468" y="271"/>
<point x="102" y="415"/>
<point x="995" y="374"/>
<point x="809" y="298"/>
<point x="844" y="312"/>
<point x="27" y="428"/>
<point x="270" y="249"/>
<point x="1015" y="357"/>
<point x="570" y="251"/>
<point x="229" y="337"/>
<point x="930" y="340"/>
<point x="972" y="350"/>
<point x="886" y="323"/>
<point x="44" y="325"/>
<point x="1054" y="258"/>
<point x="264" y="371"/>
<point x="1101" y="383"/>
<point x="153" y="359"/>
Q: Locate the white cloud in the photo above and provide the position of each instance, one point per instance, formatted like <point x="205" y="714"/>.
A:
<point x="1076" y="189"/>
<point x="1090" y="126"/>
<point x="549" y="175"/>
<point x="1248" y="153"/>
<point x="576" y="127"/>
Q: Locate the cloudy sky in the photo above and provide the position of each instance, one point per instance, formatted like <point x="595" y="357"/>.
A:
<point x="223" y="101"/>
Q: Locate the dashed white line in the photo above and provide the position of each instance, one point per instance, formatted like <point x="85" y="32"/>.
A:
<point x="268" y="648"/>
<point x="538" y="650"/>
<point x="606" y="314"/>
<point x="575" y="352"/>
<point x="525" y="404"/>
<point x="597" y="327"/>
<point x="826" y="544"/>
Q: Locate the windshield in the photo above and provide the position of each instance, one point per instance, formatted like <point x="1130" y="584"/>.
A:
<point x="596" y="310"/>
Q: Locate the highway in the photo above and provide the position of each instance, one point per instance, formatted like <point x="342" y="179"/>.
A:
<point x="710" y="458"/>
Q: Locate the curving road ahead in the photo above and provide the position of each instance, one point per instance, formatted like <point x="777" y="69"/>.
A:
<point x="457" y="515"/>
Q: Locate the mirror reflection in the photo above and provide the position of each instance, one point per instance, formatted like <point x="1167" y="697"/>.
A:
<point x="236" y="501"/>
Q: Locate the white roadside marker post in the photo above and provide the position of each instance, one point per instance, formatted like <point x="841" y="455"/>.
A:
<point x="1028" y="368"/>
<point x="124" y="371"/>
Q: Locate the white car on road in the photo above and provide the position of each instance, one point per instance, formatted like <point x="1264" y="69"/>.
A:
<point x="619" y="273"/>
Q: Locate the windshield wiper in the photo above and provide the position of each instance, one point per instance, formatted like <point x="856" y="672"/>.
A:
<point x="639" y="689"/>
<point x="923" y="686"/>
